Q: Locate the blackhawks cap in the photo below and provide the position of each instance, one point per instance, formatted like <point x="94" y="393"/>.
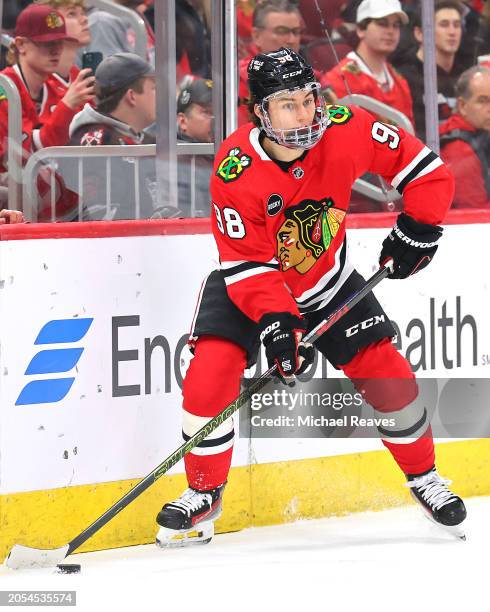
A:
<point x="120" y="70"/>
<point x="199" y="91"/>
<point x="41" y="23"/>
<point x="377" y="9"/>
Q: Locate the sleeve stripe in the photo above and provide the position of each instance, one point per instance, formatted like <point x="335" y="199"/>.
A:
<point x="227" y="265"/>
<point x="230" y="279"/>
<point x="403" y="173"/>
<point x="244" y="266"/>
<point x="426" y="161"/>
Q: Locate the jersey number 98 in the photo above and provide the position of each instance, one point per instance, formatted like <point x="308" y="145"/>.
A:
<point x="229" y="222"/>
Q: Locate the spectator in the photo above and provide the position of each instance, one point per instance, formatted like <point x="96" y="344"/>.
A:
<point x="465" y="139"/>
<point x="195" y="124"/>
<point x="367" y="70"/>
<point x="111" y="34"/>
<point x="125" y="105"/>
<point x="75" y="15"/>
<point x="35" y="53"/>
<point x="193" y="37"/>
<point x="276" y="23"/>
<point x="448" y="31"/>
<point x="244" y="17"/>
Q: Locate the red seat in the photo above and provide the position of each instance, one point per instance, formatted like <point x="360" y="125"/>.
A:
<point x="320" y="55"/>
<point x="330" y="10"/>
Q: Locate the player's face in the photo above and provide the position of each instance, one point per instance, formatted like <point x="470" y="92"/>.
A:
<point x="448" y="30"/>
<point x="197" y="122"/>
<point x="76" y="21"/>
<point x="292" y="110"/>
<point x="279" y="30"/>
<point x="41" y="57"/>
<point x="476" y="110"/>
<point x="382" y="35"/>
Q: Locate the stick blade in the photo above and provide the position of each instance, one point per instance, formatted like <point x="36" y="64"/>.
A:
<point x="23" y="557"/>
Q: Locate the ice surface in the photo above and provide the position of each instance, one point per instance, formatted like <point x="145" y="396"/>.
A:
<point x="385" y="561"/>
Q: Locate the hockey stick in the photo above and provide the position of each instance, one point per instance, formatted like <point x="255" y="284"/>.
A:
<point x="22" y="557"/>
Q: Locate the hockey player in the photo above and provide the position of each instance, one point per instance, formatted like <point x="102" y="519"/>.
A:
<point x="280" y="194"/>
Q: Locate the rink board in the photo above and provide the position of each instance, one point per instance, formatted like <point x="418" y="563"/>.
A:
<point x="72" y="447"/>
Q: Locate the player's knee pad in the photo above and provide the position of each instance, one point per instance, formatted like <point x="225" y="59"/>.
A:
<point x="211" y="383"/>
<point x="384" y="378"/>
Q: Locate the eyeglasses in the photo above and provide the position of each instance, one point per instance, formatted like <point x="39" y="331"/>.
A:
<point x="285" y="31"/>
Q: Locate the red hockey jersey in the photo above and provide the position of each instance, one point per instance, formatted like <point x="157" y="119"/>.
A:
<point x="58" y="86"/>
<point x="360" y="80"/>
<point x="46" y="126"/>
<point x="280" y="231"/>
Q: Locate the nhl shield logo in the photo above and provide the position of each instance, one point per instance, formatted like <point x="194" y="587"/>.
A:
<point x="298" y="172"/>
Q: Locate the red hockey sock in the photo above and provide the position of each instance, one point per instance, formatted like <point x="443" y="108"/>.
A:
<point x="211" y="383"/>
<point x="379" y="362"/>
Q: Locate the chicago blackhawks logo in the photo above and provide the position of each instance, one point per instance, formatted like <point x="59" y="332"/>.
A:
<point x="307" y="232"/>
<point x="231" y="167"/>
<point x="53" y="21"/>
<point x="338" y="114"/>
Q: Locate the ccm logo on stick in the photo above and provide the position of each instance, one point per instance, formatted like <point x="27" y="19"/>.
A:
<point x="351" y="331"/>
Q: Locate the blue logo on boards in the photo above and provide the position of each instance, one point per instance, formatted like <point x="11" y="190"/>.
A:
<point x="54" y="361"/>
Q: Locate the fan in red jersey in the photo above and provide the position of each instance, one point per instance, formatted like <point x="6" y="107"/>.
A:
<point x="280" y="192"/>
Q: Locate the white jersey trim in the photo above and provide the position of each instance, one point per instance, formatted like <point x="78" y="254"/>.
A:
<point x="254" y="141"/>
<point x="324" y="298"/>
<point x="239" y="276"/>
<point x="324" y="279"/>
<point x="227" y="265"/>
<point x="415" y="161"/>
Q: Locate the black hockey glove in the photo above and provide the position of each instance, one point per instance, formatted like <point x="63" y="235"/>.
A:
<point x="281" y="335"/>
<point x="411" y="245"/>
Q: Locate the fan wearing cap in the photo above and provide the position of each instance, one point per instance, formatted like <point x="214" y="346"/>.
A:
<point x="40" y="34"/>
<point x="195" y="124"/>
<point x="195" y="113"/>
<point x="125" y="106"/>
<point x="367" y="70"/>
<point x="76" y="21"/>
<point x="125" y="103"/>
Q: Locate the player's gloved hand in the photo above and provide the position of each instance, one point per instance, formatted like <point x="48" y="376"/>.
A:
<point x="411" y="245"/>
<point x="281" y="335"/>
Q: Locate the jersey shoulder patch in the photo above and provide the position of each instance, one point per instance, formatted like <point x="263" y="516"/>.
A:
<point x="233" y="165"/>
<point x="339" y="114"/>
<point x="352" y="68"/>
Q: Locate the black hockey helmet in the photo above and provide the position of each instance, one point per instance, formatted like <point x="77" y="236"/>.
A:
<point x="276" y="71"/>
<point x="271" y="74"/>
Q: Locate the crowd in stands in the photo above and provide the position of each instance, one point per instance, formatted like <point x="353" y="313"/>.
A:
<point x="81" y="83"/>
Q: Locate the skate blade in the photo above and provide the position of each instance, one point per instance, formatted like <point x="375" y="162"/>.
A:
<point x="455" y="530"/>
<point x="173" y="538"/>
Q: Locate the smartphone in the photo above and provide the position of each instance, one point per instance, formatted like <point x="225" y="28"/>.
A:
<point x="91" y="59"/>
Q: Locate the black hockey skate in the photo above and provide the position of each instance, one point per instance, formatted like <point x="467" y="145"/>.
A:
<point x="189" y="519"/>
<point x="441" y="505"/>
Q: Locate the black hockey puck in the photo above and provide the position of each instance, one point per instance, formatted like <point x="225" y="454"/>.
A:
<point x="68" y="568"/>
